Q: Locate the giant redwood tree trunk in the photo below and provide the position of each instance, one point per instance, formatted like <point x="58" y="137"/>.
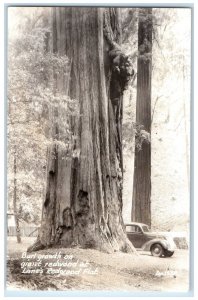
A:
<point x="83" y="203"/>
<point x="141" y="202"/>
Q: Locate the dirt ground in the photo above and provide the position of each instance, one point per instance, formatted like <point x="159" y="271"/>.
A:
<point x="95" y="270"/>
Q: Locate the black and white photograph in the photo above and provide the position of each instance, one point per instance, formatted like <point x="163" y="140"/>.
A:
<point x="98" y="148"/>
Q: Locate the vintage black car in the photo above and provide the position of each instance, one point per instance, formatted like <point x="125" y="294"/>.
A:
<point x="159" y="244"/>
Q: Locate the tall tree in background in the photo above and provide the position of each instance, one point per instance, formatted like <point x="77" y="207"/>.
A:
<point x="83" y="203"/>
<point x="141" y="202"/>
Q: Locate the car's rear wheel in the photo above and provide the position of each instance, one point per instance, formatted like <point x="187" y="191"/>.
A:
<point x="168" y="253"/>
<point x="157" y="250"/>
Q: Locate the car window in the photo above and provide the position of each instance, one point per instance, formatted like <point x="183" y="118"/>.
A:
<point x="133" y="228"/>
<point x="137" y="229"/>
<point x="145" y="228"/>
<point x="130" y="228"/>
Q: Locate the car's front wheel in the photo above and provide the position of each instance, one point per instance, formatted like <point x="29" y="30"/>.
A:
<point x="157" y="250"/>
<point x="168" y="253"/>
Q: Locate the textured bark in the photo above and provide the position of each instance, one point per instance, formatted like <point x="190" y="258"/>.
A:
<point x="141" y="204"/>
<point x="83" y="204"/>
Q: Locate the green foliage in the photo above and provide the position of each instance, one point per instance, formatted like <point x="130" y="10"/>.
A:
<point x="127" y="125"/>
<point x="33" y="100"/>
<point x="129" y="24"/>
<point x="141" y="136"/>
<point x="129" y="18"/>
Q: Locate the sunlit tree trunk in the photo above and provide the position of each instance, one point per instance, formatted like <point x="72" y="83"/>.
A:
<point x="141" y="201"/>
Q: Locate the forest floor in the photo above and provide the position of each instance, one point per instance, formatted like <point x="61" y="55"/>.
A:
<point x="88" y="270"/>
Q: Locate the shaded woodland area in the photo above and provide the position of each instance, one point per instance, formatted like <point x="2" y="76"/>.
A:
<point x="98" y="122"/>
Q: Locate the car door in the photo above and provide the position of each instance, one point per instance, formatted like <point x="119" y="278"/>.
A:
<point x="135" y="235"/>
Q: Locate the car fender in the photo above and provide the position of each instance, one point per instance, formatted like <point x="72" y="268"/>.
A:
<point x="147" y="246"/>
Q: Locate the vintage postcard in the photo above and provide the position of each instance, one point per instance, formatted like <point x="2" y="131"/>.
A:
<point x="98" y="149"/>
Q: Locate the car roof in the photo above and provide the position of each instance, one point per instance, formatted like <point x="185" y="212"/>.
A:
<point x="136" y="223"/>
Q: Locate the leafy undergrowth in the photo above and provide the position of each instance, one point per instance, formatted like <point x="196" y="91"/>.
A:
<point x="117" y="271"/>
